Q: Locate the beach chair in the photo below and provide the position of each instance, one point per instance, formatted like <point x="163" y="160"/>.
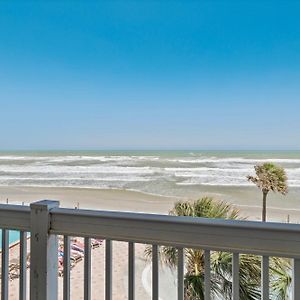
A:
<point x="96" y="243"/>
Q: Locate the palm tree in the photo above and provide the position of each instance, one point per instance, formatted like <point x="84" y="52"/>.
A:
<point x="269" y="177"/>
<point x="221" y="262"/>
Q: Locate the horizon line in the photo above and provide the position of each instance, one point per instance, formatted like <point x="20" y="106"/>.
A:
<point x="147" y="149"/>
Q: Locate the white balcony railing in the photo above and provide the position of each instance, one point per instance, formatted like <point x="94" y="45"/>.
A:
<point x="44" y="221"/>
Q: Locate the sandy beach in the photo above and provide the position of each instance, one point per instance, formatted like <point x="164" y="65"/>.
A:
<point x="247" y="201"/>
<point x="90" y="198"/>
<point x="125" y="201"/>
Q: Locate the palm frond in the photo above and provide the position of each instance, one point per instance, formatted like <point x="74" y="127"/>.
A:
<point x="270" y="177"/>
<point x="221" y="262"/>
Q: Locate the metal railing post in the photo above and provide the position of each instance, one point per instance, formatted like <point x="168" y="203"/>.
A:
<point x="296" y="279"/>
<point x="43" y="257"/>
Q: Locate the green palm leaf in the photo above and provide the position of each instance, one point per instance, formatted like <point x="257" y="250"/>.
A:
<point x="221" y="262"/>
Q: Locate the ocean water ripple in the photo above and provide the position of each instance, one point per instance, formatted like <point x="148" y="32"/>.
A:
<point x="160" y="172"/>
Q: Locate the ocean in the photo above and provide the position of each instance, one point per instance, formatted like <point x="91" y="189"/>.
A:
<point x="168" y="173"/>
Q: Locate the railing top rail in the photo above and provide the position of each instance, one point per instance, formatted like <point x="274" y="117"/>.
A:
<point x="228" y="235"/>
<point x="275" y="239"/>
<point x="14" y="207"/>
<point x="136" y="216"/>
<point x="15" y="217"/>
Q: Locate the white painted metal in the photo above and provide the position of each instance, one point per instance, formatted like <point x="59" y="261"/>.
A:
<point x="131" y="271"/>
<point x="180" y="274"/>
<point x="296" y="280"/>
<point x="87" y="269"/>
<point x="108" y="270"/>
<point x="15" y="217"/>
<point x="235" y="276"/>
<point x="270" y="239"/>
<point x="43" y="257"/>
<point x="4" y="267"/>
<point x="207" y="275"/>
<point x="66" y="274"/>
<point x="155" y="273"/>
<point x="45" y="220"/>
<point x="23" y="265"/>
<point x="265" y="278"/>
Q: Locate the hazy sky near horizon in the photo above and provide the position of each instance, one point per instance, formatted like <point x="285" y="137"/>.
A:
<point x="161" y="74"/>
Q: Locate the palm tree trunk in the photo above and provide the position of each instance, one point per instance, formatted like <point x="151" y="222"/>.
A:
<point x="264" y="209"/>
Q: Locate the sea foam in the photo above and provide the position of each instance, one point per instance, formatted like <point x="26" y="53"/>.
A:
<point x="160" y="174"/>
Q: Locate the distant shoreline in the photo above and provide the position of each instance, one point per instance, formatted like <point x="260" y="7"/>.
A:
<point x="149" y="150"/>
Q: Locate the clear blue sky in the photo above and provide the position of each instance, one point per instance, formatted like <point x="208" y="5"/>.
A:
<point x="162" y="74"/>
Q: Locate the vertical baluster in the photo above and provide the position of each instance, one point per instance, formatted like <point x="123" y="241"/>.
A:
<point x="66" y="268"/>
<point x="180" y="274"/>
<point x="108" y="270"/>
<point x="207" y="275"/>
<point x="296" y="280"/>
<point x="23" y="265"/>
<point x="87" y="268"/>
<point x="131" y="271"/>
<point x="235" y="276"/>
<point x="265" y="277"/>
<point x="4" y="267"/>
<point x="155" y="274"/>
